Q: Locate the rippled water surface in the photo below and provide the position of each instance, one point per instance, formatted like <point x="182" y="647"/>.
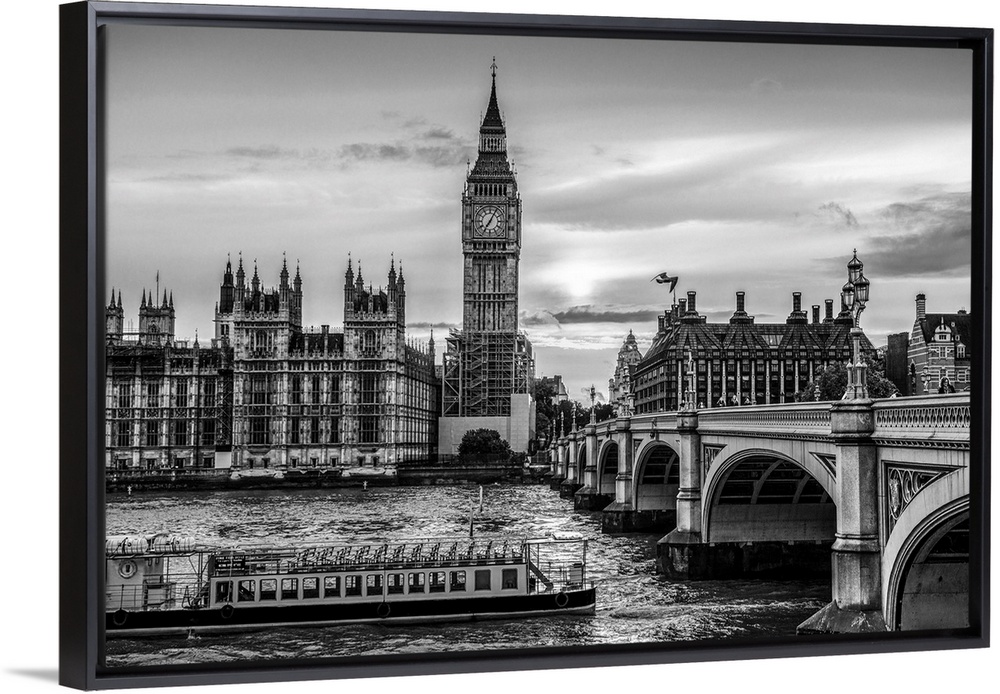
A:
<point x="634" y="605"/>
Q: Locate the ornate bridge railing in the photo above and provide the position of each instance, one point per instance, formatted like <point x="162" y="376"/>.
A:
<point x="931" y="421"/>
<point x="802" y="420"/>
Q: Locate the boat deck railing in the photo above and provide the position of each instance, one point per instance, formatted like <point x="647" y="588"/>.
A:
<point x="422" y="554"/>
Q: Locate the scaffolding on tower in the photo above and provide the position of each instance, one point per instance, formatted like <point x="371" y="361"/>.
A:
<point x="482" y="369"/>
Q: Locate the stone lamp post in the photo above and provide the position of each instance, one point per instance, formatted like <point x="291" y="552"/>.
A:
<point x="855" y="294"/>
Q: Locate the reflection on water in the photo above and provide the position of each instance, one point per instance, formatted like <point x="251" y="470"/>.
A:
<point x="634" y="605"/>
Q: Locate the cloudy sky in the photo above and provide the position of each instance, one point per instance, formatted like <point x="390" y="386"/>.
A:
<point x="734" y="166"/>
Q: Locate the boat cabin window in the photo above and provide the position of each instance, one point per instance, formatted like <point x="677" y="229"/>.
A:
<point x="509" y="579"/>
<point x="458" y="580"/>
<point x="417" y="583"/>
<point x="247" y="591"/>
<point x="310" y="587"/>
<point x="224" y="591"/>
<point x="352" y="585"/>
<point x="289" y="588"/>
<point x="331" y="586"/>
<point x="373" y="584"/>
<point x="269" y="589"/>
<point x="394" y="583"/>
<point x="436" y="581"/>
<point x="483" y="579"/>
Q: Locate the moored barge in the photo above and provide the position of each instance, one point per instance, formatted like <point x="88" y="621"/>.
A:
<point x="164" y="585"/>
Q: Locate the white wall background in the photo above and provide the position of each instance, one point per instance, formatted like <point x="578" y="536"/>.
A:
<point x="29" y="390"/>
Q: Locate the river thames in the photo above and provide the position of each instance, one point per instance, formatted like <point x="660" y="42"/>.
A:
<point x="634" y="604"/>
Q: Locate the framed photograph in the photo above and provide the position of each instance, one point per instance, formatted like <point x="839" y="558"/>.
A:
<point x="402" y="343"/>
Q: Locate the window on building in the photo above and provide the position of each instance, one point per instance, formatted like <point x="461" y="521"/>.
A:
<point x="180" y="432"/>
<point x="373" y="584"/>
<point x="310" y="588"/>
<point x="457" y="581"/>
<point x="207" y="432"/>
<point x="509" y="579"/>
<point x="123" y="434"/>
<point x="294" y="433"/>
<point x="259" y="430"/>
<point x="314" y="430"/>
<point x="295" y="390"/>
<point x="483" y="579"/>
<point x="208" y="392"/>
<point x="368" y="429"/>
<point x="181" y="393"/>
<point x="316" y="396"/>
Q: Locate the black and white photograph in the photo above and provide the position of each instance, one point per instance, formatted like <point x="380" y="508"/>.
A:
<point x="423" y="343"/>
<point x="434" y="344"/>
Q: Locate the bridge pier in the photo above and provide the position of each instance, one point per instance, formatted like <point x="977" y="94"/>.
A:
<point x="619" y="516"/>
<point x="681" y="554"/>
<point x="857" y="569"/>
<point x="568" y="487"/>
<point x="559" y="469"/>
<point x="589" y="497"/>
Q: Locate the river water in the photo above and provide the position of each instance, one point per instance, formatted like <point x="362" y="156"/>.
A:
<point x="634" y="604"/>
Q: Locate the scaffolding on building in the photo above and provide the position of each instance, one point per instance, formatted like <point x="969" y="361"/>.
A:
<point x="482" y="370"/>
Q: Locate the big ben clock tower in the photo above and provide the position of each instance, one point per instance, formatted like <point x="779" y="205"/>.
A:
<point x="488" y="366"/>
<point x="491" y="230"/>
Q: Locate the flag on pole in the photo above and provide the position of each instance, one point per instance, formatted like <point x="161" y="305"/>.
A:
<point x="664" y="278"/>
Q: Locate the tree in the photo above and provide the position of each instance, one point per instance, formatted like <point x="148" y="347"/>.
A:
<point x="546" y="410"/>
<point x="832" y="381"/>
<point x="484" y="443"/>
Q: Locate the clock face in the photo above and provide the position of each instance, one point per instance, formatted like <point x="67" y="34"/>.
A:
<point x="490" y="222"/>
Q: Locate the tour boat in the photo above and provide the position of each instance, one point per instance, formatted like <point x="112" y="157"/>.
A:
<point x="164" y="585"/>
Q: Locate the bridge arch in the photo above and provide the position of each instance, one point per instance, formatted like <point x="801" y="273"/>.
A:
<point x="607" y="467"/>
<point x="656" y="477"/>
<point x="926" y="559"/>
<point x="581" y="459"/>
<point x="760" y="495"/>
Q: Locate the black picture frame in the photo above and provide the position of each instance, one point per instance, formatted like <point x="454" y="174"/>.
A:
<point x="81" y="334"/>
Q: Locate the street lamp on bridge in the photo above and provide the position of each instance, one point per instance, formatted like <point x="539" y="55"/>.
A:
<point x="855" y="295"/>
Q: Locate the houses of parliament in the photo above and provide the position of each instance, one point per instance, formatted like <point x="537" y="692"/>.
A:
<point x="267" y="393"/>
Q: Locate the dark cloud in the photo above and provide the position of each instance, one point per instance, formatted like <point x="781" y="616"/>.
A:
<point x="604" y="314"/>
<point x="766" y="86"/>
<point x="434" y="326"/>
<point x="366" y="151"/>
<point x="937" y="237"/>
<point x="440" y="133"/>
<point x="180" y="177"/>
<point x="842" y="214"/>
<point x="263" y="152"/>
<point x="436" y="146"/>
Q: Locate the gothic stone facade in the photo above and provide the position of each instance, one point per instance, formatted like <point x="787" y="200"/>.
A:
<point x="363" y="398"/>
<point x="169" y="403"/>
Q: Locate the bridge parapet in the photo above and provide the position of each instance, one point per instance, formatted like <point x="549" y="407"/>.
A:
<point x="933" y="421"/>
<point x="803" y="420"/>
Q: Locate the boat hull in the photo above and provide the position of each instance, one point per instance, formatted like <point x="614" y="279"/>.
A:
<point x="123" y="623"/>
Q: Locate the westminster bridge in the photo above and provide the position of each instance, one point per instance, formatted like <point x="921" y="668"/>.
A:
<point x="876" y="489"/>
